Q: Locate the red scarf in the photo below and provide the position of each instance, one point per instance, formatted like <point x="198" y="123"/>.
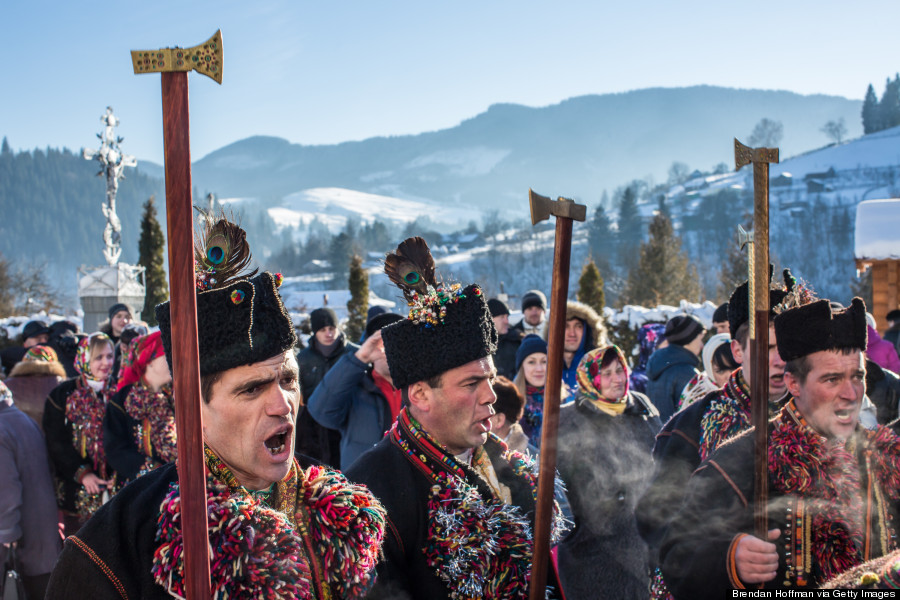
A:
<point x="392" y="394"/>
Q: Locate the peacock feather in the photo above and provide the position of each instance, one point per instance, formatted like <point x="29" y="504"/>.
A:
<point x="221" y="254"/>
<point x="411" y="267"/>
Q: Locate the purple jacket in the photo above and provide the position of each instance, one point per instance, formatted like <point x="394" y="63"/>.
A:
<point x="881" y="352"/>
<point x="27" y="499"/>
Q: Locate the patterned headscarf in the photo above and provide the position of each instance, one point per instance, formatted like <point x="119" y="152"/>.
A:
<point x="83" y="355"/>
<point x="142" y="352"/>
<point x="589" y="383"/>
<point x="40" y="354"/>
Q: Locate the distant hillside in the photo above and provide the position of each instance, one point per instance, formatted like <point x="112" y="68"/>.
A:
<point x="578" y="148"/>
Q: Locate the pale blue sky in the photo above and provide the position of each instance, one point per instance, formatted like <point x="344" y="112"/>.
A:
<point x="327" y="72"/>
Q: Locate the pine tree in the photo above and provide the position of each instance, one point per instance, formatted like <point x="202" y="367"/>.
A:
<point x="629" y="227"/>
<point x="7" y="296"/>
<point x="358" y="305"/>
<point x="602" y="240"/>
<point x="870" y="111"/>
<point x="889" y="107"/>
<point x="150" y="251"/>
<point x="664" y="274"/>
<point x="590" y="287"/>
<point x="5" y="149"/>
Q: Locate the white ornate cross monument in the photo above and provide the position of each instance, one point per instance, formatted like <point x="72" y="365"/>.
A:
<point x="101" y="287"/>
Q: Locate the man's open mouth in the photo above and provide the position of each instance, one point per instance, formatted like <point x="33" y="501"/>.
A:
<point x="276" y="443"/>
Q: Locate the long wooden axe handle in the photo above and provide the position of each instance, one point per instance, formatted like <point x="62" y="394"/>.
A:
<point x="565" y="212"/>
<point x="759" y="324"/>
<point x="174" y="64"/>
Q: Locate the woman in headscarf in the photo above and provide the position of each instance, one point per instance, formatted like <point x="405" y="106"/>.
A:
<point x="139" y="428"/>
<point x="32" y="380"/>
<point x="605" y="439"/>
<point x="718" y="365"/>
<point x="73" y="426"/>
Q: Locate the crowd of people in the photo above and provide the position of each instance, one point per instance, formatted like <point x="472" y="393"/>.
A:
<point x="403" y="465"/>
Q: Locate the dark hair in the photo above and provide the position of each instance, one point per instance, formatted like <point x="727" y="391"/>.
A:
<point x="800" y="366"/>
<point x="742" y="333"/>
<point x="723" y="359"/>
<point x="206" y="385"/>
<point x="609" y="357"/>
<point x="510" y="401"/>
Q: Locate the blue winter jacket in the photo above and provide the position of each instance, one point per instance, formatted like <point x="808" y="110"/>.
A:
<point x="349" y="401"/>
<point x="668" y="371"/>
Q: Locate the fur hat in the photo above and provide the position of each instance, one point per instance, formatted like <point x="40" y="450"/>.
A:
<point x="39" y="361"/>
<point x="447" y="326"/>
<point x="814" y="327"/>
<point x="595" y="331"/>
<point x="240" y="317"/>
<point x="739" y="303"/>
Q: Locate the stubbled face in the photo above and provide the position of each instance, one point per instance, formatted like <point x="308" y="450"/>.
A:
<point x="101" y="362"/>
<point x="533" y="315"/>
<point x="501" y="323"/>
<point x="534" y="367"/>
<point x="574" y="333"/>
<point x="119" y="321"/>
<point x="777" y="387"/>
<point x="327" y="335"/>
<point x="831" y="396"/>
<point x="458" y="414"/>
<point x="249" y="419"/>
<point x="613" y="380"/>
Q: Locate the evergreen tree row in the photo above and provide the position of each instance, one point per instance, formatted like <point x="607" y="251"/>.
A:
<point x="885" y="113"/>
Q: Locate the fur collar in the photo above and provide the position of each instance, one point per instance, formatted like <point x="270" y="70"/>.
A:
<point x="38" y="369"/>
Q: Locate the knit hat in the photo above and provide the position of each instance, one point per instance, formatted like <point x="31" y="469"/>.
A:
<point x="33" y="328"/>
<point x="380" y="321"/>
<point x="321" y="318"/>
<point x="531" y="344"/>
<point x="683" y="329"/>
<point x="117" y="308"/>
<point x="814" y="327"/>
<point x="739" y="303"/>
<point x="720" y="315"/>
<point x="240" y="316"/>
<point x="447" y="327"/>
<point x="534" y="298"/>
<point x="893" y="315"/>
<point x="497" y="307"/>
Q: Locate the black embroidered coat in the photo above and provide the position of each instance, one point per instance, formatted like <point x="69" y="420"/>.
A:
<point x="404" y="491"/>
<point x="697" y="554"/>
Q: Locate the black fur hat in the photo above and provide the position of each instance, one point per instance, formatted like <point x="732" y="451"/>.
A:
<point x="447" y="326"/>
<point x="739" y="303"/>
<point x="813" y="327"/>
<point x="240" y="316"/>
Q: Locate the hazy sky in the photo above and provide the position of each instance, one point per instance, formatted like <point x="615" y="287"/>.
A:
<point x="327" y="72"/>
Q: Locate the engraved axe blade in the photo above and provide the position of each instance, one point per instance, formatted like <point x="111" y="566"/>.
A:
<point x="744" y="237"/>
<point x="744" y="155"/>
<point x="205" y="59"/>
<point x="542" y="207"/>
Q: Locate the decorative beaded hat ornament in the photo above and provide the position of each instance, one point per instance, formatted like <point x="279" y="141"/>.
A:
<point x="448" y="325"/>
<point x="240" y="317"/>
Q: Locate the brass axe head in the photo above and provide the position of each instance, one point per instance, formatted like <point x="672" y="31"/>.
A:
<point x="205" y="58"/>
<point x="542" y="207"/>
<point x="744" y="155"/>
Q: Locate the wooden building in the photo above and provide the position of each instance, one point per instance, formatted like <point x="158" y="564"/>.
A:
<point x="877" y="247"/>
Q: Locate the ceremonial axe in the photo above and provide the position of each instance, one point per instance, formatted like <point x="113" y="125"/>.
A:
<point x="565" y="211"/>
<point x="174" y="64"/>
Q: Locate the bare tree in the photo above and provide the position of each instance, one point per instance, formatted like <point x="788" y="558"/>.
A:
<point x="767" y="133"/>
<point x="835" y="130"/>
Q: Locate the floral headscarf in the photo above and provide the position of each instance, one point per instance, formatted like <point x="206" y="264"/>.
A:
<point x="83" y="355"/>
<point x="589" y="383"/>
<point x="40" y="354"/>
<point x="142" y="352"/>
